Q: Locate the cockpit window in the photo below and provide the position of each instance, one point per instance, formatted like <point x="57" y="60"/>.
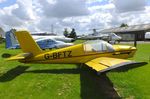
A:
<point x="97" y="46"/>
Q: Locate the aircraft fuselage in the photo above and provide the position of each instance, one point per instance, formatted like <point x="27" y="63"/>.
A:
<point x="77" y="54"/>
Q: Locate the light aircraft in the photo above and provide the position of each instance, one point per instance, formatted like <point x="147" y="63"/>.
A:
<point x="99" y="55"/>
<point x="45" y="42"/>
<point x="107" y="37"/>
<point x="103" y="36"/>
<point x="57" y="38"/>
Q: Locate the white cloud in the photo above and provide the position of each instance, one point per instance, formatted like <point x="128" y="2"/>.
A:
<point x="1" y="1"/>
<point x="129" y="5"/>
<point x="37" y="15"/>
<point x="7" y="19"/>
<point x="64" y="8"/>
<point x="24" y="10"/>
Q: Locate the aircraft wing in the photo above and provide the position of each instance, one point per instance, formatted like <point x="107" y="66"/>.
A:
<point x="19" y="56"/>
<point x="103" y="64"/>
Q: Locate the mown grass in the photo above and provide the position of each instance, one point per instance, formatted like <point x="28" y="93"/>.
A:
<point x="39" y="81"/>
<point x="71" y="81"/>
<point x="48" y="81"/>
<point x="134" y="83"/>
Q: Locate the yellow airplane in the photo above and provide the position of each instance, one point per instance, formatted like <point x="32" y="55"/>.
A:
<point x="99" y="55"/>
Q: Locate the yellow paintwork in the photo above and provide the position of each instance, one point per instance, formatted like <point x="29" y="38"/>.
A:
<point x="72" y="54"/>
<point x="105" y="62"/>
<point x="27" y="43"/>
<point x="20" y="56"/>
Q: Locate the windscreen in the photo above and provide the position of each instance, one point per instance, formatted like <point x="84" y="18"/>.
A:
<point x="97" y="46"/>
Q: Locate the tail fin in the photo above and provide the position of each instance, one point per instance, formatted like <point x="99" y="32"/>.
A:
<point x="27" y="44"/>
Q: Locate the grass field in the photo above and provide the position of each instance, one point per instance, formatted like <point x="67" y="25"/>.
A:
<point x="134" y="83"/>
<point x="71" y="81"/>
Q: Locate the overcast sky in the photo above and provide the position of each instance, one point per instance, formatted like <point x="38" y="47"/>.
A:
<point x="83" y="15"/>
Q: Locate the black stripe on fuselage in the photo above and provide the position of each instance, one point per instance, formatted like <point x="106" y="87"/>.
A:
<point x="122" y="53"/>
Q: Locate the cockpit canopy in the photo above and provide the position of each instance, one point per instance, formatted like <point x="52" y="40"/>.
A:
<point x="97" y="46"/>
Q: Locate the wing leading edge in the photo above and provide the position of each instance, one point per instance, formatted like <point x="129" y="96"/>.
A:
<point x="103" y="64"/>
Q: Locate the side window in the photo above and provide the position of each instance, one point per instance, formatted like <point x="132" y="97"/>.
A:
<point x="104" y="48"/>
<point x="50" y="41"/>
<point x="99" y="46"/>
<point x="53" y="42"/>
<point x="47" y="42"/>
<point x="87" y="48"/>
<point x="110" y="48"/>
<point x="40" y="42"/>
<point x="95" y="47"/>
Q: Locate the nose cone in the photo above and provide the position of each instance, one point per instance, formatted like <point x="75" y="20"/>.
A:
<point x="132" y="50"/>
<point x="124" y="48"/>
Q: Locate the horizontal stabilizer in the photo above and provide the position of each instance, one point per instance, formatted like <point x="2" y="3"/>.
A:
<point x="105" y="63"/>
<point x="19" y="56"/>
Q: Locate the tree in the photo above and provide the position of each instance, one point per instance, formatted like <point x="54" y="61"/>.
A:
<point x="124" y="25"/>
<point x="66" y="32"/>
<point x="73" y="34"/>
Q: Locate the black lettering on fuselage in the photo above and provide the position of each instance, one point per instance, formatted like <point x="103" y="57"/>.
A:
<point x="69" y="54"/>
<point x="54" y="55"/>
<point x="122" y="53"/>
<point x="47" y="56"/>
<point x="64" y="53"/>
<point x="58" y="55"/>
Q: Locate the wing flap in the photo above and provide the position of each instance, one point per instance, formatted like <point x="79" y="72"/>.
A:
<point x="103" y="64"/>
<point x="19" y="56"/>
<point x="96" y="66"/>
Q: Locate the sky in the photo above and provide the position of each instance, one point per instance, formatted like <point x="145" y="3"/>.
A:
<point x="83" y="15"/>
